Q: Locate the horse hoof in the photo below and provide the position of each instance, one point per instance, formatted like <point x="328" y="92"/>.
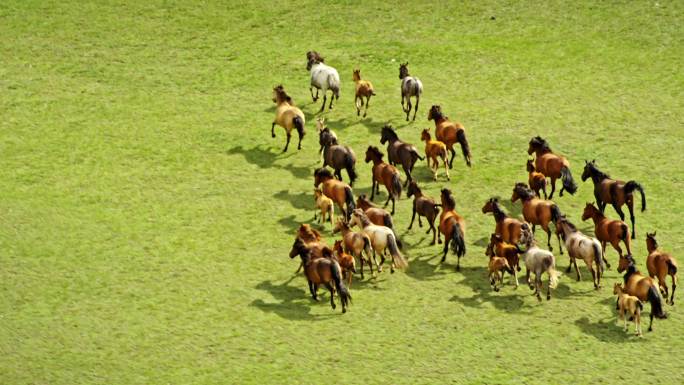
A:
<point x="344" y="310"/>
<point x="539" y="298"/>
<point x="439" y="241"/>
<point x="458" y="268"/>
<point x="272" y="135"/>
<point x="496" y="289"/>
<point x="548" y="298"/>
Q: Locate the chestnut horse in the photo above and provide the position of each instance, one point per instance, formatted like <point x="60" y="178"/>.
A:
<point x="410" y="86"/>
<point x="453" y="227"/>
<point x="355" y="243"/>
<point x="322" y="271"/>
<point x="661" y="264"/>
<point x="608" y="230"/>
<point x="509" y="228"/>
<point x="434" y="149"/>
<point x="449" y="132"/>
<point x="346" y="262"/>
<point x="312" y="238"/>
<point x="399" y="152"/>
<point x="510" y="252"/>
<point x="340" y="192"/>
<point x="426" y="207"/>
<point x="552" y="165"/>
<point x="537" y="211"/>
<point x="536" y="180"/>
<point x="614" y="192"/>
<point x="287" y="116"/>
<point x="377" y="215"/>
<point x="364" y="88"/>
<point x="642" y="287"/>
<point x="383" y="173"/>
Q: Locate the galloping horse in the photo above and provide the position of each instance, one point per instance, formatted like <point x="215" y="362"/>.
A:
<point x="539" y="261"/>
<point x="453" y="227"/>
<point x="642" y="287"/>
<point x="325" y="135"/>
<point x="287" y="116"/>
<point x="498" y="248"/>
<point x="537" y="211"/>
<point x="449" y="132"/>
<point x="434" y="149"/>
<point x="323" y="77"/>
<point x="583" y="247"/>
<point x="364" y="88"/>
<point x="628" y="305"/>
<point x="614" y="192"/>
<point x="383" y="173"/>
<point x="536" y="180"/>
<point x="410" y="86"/>
<point x="322" y="271"/>
<point x="381" y="238"/>
<point x="312" y="238"/>
<point x="340" y="192"/>
<point x="608" y="230"/>
<point x="661" y="264"/>
<point x="552" y="165"/>
<point x="377" y="215"/>
<point x="509" y="228"/>
<point x="337" y="156"/>
<point x="399" y="152"/>
<point x="346" y="262"/>
<point x="355" y="243"/>
<point x="426" y="207"/>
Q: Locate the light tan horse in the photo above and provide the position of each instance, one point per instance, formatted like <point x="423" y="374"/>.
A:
<point x="434" y="149"/>
<point x="628" y="305"/>
<point x="642" y="287"/>
<point x="325" y="205"/>
<point x="661" y="264"/>
<point x="356" y="244"/>
<point x="536" y="180"/>
<point x="287" y="116"/>
<point x="381" y="238"/>
<point x="580" y="246"/>
<point x="364" y="89"/>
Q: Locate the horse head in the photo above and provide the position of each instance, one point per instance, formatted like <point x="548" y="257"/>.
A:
<point x="412" y="189"/>
<point x="373" y="154"/>
<point x="313" y="57"/>
<point x="356" y="76"/>
<point x="448" y="201"/>
<point x="589" y="210"/>
<point x="299" y="248"/>
<point x="387" y="133"/>
<point x="651" y="242"/>
<point x="626" y="262"/>
<point x="435" y="112"/>
<point x="537" y="143"/>
<point x="403" y="70"/>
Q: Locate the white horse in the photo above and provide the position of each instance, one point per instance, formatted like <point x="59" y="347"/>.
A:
<point x="382" y="238"/>
<point x="583" y="247"/>
<point x="323" y="77"/>
<point x="410" y="86"/>
<point x="539" y="261"/>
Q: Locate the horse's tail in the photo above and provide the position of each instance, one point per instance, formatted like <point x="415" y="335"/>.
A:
<point x="633" y="185"/>
<point x="349" y="200"/>
<point x="568" y="182"/>
<point x="597" y="256"/>
<point x="415" y="153"/>
<point x="396" y="185"/>
<point x="555" y="213"/>
<point x="298" y="122"/>
<point x="671" y="267"/>
<point x="399" y="260"/>
<point x="458" y="246"/>
<point x="387" y="219"/>
<point x="640" y="305"/>
<point x="553" y="276"/>
<point x="460" y="136"/>
<point x="342" y="291"/>
<point x="349" y="164"/>
<point x="625" y="231"/>
<point x="367" y="246"/>
<point x="656" y="303"/>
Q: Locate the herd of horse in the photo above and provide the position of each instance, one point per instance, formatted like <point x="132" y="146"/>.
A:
<point x="512" y="240"/>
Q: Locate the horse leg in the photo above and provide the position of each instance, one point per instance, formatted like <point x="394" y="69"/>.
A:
<point x="372" y="188"/>
<point x="402" y="102"/>
<point x="618" y="210"/>
<point x="538" y="285"/>
<point x="325" y="97"/>
<point x="434" y="232"/>
<point x="579" y="276"/>
<point x="553" y="187"/>
<point x="289" y="136"/>
<point x="413" y="216"/>
<point x="544" y="188"/>
<point x="367" y="103"/>
<point x="674" y="286"/>
<point x="534" y="228"/>
<point x="594" y="277"/>
<point x="560" y="245"/>
<point x="630" y="206"/>
<point x="603" y="254"/>
<point x="332" y="97"/>
<point x="569" y="266"/>
<point x="446" y="248"/>
<point x="453" y="154"/>
<point x="515" y="276"/>
<point x="361" y="262"/>
<point x="332" y="294"/>
<point x="408" y="111"/>
<point x="650" y="325"/>
<point x="301" y="264"/>
<point x="382" y="260"/>
<point x="315" y="291"/>
<point x="548" y="239"/>
<point x="415" y="111"/>
<point x="446" y="169"/>
<point x="314" y="98"/>
<point x="356" y="103"/>
<point x="616" y="246"/>
<point x="548" y="289"/>
<point x="273" y="130"/>
<point x="527" y="278"/>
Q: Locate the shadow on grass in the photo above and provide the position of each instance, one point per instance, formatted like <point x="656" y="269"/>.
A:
<point x="609" y="331"/>
<point x="297" y="200"/>
<point x="422" y="269"/>
<point x="292" y="302"/>
<point x="476" y="278"/>
<point x="267" y="158"/>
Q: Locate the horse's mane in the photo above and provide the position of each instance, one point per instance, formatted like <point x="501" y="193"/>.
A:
<point x="496" y="209"/>
<point x="523" y="191"/>
<point x="541" y="143"/>
<point x="364" y="198"/>
<point x="595" y="171"/>
<point x="437" y="112"/>
<point x="572" y="227"/>
<point x="448" y="198"/>
<point x="313" y="57"/>
<point x="323" y="172"/>
<point x="376" y="151"/>
<point x="326" y="137"/>
<point x="282" y="95"/>
<point x="387" y="129"/>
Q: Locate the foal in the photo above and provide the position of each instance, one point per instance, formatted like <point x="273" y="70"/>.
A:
<point x="426" y="207"/>
<point x="287" y="116"/>
<point x="346" y="262"/>
<point x="364" y="88"/>
<point x="497" y="247"/>
<point x="536" y="180"/>
<point x="325" y="205"/>
<point x="628" y="305"/>
<point x="340" y="192"/>
<point x="434" y="149"/>
<point x="642" y="287"/>
<point x="661" y="264"/>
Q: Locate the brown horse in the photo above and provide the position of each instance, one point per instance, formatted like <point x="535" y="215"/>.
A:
<point x="356" y="244"/>
<point x="449" y="132"/>
<point x="346" y="262"/>
<point x="608" y="230"/>
<point x="537" y="211"/>
<point x="337" y="156"/>
<point x="661" y="264"/>
<point x="453" y="227"/>
<point x="377" y="215"/>
<point x="536" y="180"/>
<point x="364" y="89"/>
<point x="426" y="207"/>
<point x="496" y="268"/>
<point x="322" y="271"/>
<point x="399" y="152"/>
<point x="340" y="192"/>
<point x="510" y="252"/>
<point x="434" y="149"/>
<point x="509" y="228"/>
<point x="312" y="238"/>
<point x="642" y="287"/>
<point x="287" y="116"/>
<point x="383" y="173"/>
<point x="614" y="192"/>
<point x="552" y="165"/>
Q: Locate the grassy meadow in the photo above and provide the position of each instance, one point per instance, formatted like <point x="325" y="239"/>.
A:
<point x="146" y="214"/>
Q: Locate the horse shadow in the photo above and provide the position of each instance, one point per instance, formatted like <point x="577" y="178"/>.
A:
<point x="290" y="223"/>
<point x="292" y="302"/>
<point x="607" y="330"/>
<point x="421" y="268"/>
<point x="265" y="158"/>
<point x="482" y="242"/>
<point x="298" y="200"/>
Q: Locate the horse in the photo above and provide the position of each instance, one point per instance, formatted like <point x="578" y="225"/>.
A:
<point x="356" y="244"/>
<point x="449" y="133"/>
<point x="608" y="230"/>
<point x="580" y="246"/>
<point x="364" y="88"/>
<point x="381" y="238"/>
<point x="340" y="192"/>
<point x="383" y="173"/>
<point x="399" y="152"/>
<point x="322" y="271"/>
<point x="287" y="116"/>
<point x="312" y="238"/>
<point x="628" y="305"/>
<point x="325" y="205"/>
<point x="426" y="207"/>
<point x="410" y="86"/>
<point x="642" y="287"/>
<point x="434" y="149"/>
<point x="509" y="228"/>
<point x="539" y="261"/>
<point x="377" y="215"/>
<point x="337" y="156"/>
<point x="536" y="180"/>
<point x="537" y="211"/>
<point x="510" y="252"/>
<point x="324" y="137"/>
<point x="453" y="227"/>
<point x="496" y="268"/>
<point x="323" y="77"/>
<point x="661" y="264"/>
<point x="615" y="192"/>
<point x="552" y="165"/>
<point x="346" y="262"/>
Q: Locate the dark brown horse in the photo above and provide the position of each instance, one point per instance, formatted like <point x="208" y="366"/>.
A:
<point x="337" y="156"/>
<point x="383" y="173"/>
<point x="537" y="211"/>
<point x="509" y="228"/>
<point x="536" y="180"/>
<point x="552" y="165"/>
<point x="377" y="215"/>
<point x="453" y="227"/>
<point x="425" y="207"/>
<point x="642" y="287"/>
<point x="400" y="152"/>
<point x="608" y="230"/>
<point x="661" y="264"/>
<point x="614" y="192"/>
<point x="322" y="271"/>
<point x="340" y="192"/>
<point x="449" y="132"/>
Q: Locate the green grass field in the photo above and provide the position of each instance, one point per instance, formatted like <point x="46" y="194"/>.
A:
<point x="146" y="215"/>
